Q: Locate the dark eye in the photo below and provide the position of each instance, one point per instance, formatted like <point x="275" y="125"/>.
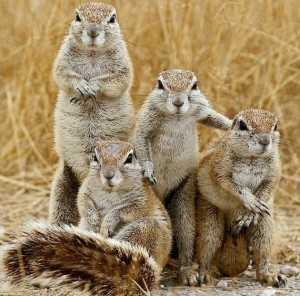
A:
<point x="129" y="159"/>
<point x="112" y="19"/>
<point x="195" y="86"/>
<point x="78" y="19"/>
<point x="243" y="126"/>
<point x="275" y="127"/>
<point x="160" y="85"/>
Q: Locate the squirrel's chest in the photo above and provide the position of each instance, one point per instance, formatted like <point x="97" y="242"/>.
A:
<point x="174" y="135"/>
<point x="91" y="66"/>
<point x="249" y="173"/>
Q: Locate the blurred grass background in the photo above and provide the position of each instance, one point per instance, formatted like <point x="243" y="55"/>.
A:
<point x="246" y="54"/>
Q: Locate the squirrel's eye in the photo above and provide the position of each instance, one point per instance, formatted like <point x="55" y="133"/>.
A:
<point x="243" y="126"/>
<point x="195" y="86"/>
<point x="275" y="127"/>
<point x="159" y="85"/>
<point x="112" y="19"/>
<point x="78" y="19"/>
<point x="128" y="159"/>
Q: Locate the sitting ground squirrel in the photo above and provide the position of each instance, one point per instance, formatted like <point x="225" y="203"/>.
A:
<point x="115" y="201"/>
<point x="237" y="179"/>
<point x="94" y="74"/>
<point x="166" y="142"/>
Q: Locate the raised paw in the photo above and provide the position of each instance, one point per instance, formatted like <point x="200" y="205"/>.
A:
<point x="148" y="173"/>
<point x="276" y="281"/>
<point x="188" y="276"/>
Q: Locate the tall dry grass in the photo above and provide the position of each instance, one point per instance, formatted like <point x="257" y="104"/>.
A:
<point x="246" y="54"/>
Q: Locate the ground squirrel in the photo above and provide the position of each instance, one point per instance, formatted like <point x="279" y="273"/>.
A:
<point x="94" y="74"/>
<point x="166" y="142"/>
<point x="115" y="201"/>
<point x="237" y="178"/>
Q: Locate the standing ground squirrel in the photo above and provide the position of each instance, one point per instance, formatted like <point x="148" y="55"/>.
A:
<point x="115" y="201"/>
<point x="166" y="142"/>
<point x="94" y="74"/>
<point x="237" y="179"/>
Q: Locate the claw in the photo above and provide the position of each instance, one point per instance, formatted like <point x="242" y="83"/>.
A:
<point x="199" y="282"/>
<point x="282" y="279"/>
<point x="263" y="204"/>
<point x="258" y="208"/>
<point x="80" y="92"/>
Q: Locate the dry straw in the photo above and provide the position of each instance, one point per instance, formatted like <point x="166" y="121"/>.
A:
<point x="245" y="54"/>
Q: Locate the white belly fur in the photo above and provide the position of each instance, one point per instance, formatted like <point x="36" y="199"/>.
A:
<point x="249" y="173"/>
<point x="175" y="153"/>
<point x="78" y="131"/>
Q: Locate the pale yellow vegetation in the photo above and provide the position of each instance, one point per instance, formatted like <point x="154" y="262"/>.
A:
<point x="246" y="54"/>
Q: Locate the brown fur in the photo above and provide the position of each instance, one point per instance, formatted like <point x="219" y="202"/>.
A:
<point x="237" y="179"/>
<point x="67" y="256"/>
<point x="95" y="12"/>
<point x="93" y="73"/>
<point x="127" y="210"/>
<point x="122" y="243"/>
<point x="166" y="142"/>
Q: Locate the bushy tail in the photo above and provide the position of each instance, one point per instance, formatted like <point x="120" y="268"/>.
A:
<point x="234" y="256"/>
<point x="54" y="256"/>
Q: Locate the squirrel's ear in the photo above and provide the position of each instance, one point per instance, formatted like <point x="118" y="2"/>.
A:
<point x="234" y="122"/>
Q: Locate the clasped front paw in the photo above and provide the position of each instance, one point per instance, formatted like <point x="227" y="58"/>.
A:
<point x="83" y="92"/>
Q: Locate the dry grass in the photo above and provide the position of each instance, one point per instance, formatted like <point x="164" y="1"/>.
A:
<point x="245" y="53"/>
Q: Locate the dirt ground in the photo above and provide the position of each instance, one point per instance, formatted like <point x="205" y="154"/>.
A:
<point x="21" y="202"/>
<point x="244" y="285"/>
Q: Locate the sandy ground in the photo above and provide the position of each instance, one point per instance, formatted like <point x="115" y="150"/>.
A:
<point x="244" y="285"/>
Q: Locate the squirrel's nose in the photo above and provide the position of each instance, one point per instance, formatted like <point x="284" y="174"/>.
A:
<point x="178" y="102"/>
<point x="109" y="172"/>
<point x="264" y="139"/>
<point x="93" y="32"/>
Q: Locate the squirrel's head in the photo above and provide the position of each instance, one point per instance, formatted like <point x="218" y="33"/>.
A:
<point x="177" y="92"/>
<point x="254" y="133"/>
<point x="95" y="24"/>
<point x="116" y="162"/>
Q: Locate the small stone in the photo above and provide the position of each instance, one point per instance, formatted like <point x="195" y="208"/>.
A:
<point x="268" y="292"/>
<point x="222" y="284"/>
<point x="289" y="270"/>
<point x="162" y="286"/>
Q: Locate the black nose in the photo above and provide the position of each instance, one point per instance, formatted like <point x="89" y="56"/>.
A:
<point x="93" y="32"/>
<point x="178" y="103"/>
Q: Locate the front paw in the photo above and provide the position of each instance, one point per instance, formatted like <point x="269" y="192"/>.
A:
<point x="104" y="231"/>
<point x="148" y="172"/>
<point x="188" y="276"/>
<point x="84" y="92"/>
<point x="276" y="281"/>
<point x="244" y="221"/>
<point x="255" y="206"/>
